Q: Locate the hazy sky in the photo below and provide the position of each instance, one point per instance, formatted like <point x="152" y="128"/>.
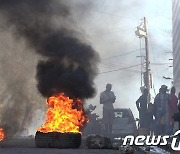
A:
<point x="110" y="27"/>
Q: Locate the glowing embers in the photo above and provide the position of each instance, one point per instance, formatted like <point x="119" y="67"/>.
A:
<point x="64" y="115"/>
<point x="1" y="134"/>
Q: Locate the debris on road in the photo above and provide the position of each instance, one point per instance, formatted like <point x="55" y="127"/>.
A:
<point x="127" y="149"/>
<point x="116" y="145"/>
<point x="98" y="142"/>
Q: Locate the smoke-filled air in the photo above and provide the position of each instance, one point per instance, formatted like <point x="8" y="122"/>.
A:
<point x="63" y="60"/>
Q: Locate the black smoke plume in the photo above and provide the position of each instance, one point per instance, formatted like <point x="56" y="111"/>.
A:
<point x="69" y="64"/>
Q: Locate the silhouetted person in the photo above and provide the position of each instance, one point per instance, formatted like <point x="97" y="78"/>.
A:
<point x="107" y="98"/>
<point x="173" y="102"/>
<point x="149" y="119"/>
<point x="141" y="104"/>
<point x="161" y="106"/>
<point x="176" y="116"/>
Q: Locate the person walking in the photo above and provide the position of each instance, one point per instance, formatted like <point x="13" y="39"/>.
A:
<point x="161" y="106"/>
<point x="107" y="98"/>
<point x="173" y="108"/>
<point x="141" y="105"/>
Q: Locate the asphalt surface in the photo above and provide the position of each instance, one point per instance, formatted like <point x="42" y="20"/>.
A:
<point x="54" y="151"/>
<point x="27" y="146"/>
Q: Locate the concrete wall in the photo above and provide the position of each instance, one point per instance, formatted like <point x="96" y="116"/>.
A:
<point x="176" y="43"/>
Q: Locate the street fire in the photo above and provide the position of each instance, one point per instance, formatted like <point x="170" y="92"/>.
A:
<point x="1" y="134"/>
<point x="64" y="115"/>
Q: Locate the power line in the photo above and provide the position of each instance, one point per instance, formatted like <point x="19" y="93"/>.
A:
<point x="119" y="69"/>
<point x="121" y="54"/>
<point x="134" y="71"/>
<point x="109" y="64"/>
<point x="128" y="70"/>
<point x="112" y="64"/>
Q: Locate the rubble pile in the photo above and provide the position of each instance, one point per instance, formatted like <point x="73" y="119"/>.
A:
<point x="126" y="149"/>
<point x="98" y="142"/>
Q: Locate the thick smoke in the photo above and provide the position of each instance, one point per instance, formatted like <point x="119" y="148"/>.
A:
<point x="19" y="98"/>
<point x="68" y="64"/>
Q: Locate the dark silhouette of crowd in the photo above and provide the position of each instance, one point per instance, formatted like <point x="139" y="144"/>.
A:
<point x="159" y="118"/>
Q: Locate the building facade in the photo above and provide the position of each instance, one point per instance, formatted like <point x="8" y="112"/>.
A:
<point x="176" y="43"/>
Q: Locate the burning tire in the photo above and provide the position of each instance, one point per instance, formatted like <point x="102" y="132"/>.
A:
<point x="57" y="140"/>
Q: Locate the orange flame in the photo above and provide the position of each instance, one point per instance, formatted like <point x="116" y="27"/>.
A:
<point x="64" y="115"/>
<point x="1" y="134"/>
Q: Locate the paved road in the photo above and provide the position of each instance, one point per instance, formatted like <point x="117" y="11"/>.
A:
<point x="54" y="151"/>
<point x="27" y="146"/>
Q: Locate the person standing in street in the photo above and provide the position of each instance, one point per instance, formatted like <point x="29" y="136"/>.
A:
<point x="176" y="116"/>
<point x="161" y="106"/>
<point x="107" y="98"/>
<point x="149" y="119"/>
<point x="141" y="105"/>
<point x="173" y="107"/>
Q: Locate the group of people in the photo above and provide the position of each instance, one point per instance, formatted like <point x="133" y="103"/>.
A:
<point x="157" y="118"/>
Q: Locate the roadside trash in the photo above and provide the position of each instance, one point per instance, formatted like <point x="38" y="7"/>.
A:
<point x="98" y="142"/>
<point x="116" y="145"/>
<point x="127" y="149"/>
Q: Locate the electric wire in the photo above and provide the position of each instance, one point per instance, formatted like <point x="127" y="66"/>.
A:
<point x="121" y="54"/>
<point x="115" y="70"/>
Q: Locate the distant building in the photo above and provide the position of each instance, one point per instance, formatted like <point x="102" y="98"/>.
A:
<point x="176" y="43"/>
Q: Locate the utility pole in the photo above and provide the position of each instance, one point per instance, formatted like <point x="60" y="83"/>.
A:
<point x="147" y="73"/>
<point x="143" y="32"/>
